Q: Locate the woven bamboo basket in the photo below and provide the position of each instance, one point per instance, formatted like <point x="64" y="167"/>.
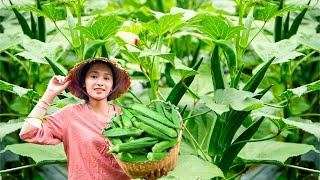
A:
<point x="140" y="169"/>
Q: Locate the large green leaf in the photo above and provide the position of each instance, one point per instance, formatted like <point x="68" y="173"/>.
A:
<point x="103" y="28"/>
<point x="230" y="95"/>
<point x="304" y="124"/>
<point x="224" y="99"/>
<point x="166" y="23"/>
<point x="50" y="10"/>
<point x="184" y="71"/>
<point x="36" y="50"/>
<point x="299" y="91"/>
<point x="53" y="12"/>
<point x="247" y="104"/>
<point x="299" y="105"/>
<point x="274" y="150"/>
<point x="92" y="48"/>
<point x="270" y="10"/>
<point x="215" y="27"/>
<point x="21" y="106"/>
<point x="10" y="126"/>
<point x="283" y="50"/>
<point x="218" y="108"/>
<point x="5" y="86"/>
<point x="187" y="13"/>
<point x="191" y="167"/>
<point x="310" y="40"/>
<point x="293" y="7"/>
<point x="265" y="12"/>
<point x="9" y="40"/>
<point x="39" y="153"/>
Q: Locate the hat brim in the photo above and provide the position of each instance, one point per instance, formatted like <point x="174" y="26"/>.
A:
<point x="121" y="78"/>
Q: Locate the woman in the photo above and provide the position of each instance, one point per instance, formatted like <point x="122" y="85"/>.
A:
<point x="80" y="126"/>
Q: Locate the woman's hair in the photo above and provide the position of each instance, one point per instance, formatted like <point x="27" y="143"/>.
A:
<point x="82" y="76"/>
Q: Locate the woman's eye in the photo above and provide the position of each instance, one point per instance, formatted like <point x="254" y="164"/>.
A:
<point x="93" y="76"/>
<point x="107" y="78"/>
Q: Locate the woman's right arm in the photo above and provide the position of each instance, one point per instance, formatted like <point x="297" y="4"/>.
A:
<point x="56" y="85"/>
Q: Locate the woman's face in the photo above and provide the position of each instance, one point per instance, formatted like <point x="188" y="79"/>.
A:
<point x="99" y="81"/>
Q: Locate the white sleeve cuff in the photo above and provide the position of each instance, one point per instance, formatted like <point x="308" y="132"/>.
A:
<point x="36" y="122"/>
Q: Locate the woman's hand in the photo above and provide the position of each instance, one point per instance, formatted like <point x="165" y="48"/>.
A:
<point x="57" y="84"/>
<point x="156" y="174"/>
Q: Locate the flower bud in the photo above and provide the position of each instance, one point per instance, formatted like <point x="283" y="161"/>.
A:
<point x="128" y="37"/>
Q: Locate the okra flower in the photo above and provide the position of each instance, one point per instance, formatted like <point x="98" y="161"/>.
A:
<point x="128" y="37"/>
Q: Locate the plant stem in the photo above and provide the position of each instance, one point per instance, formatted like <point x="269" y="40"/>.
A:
<point x="17" y="168"/>
<point x="265" y="22"/>
<point x="301" y="168"/>
<point x="63" y="34"/>
<point x="135" y="96"/>
<point x="256" y="140"/>
<point x="195" y="141"/>
<point x="301" y="60"/>
<point x="190" y="91"/>
<point x="18" y="60"/>
<point x="34" y="165"/>
<point x="310" y="114"/>
<point x="275" y="106"/>
<point x="281" y="164"/>
<point x="236" y="175"/>
<point x="198" y="115"/>
<point x="238" y="38"/>
<point x="78" y="11"/>
<point x="10" y="114"/>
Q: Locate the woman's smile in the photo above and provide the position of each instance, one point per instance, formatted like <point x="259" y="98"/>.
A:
<point x="99" y="89"/>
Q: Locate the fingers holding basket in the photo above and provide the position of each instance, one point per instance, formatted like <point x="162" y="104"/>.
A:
<point x="156" y="174"/>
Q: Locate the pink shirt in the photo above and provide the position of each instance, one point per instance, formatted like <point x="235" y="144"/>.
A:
<point x="86" y="150"/>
